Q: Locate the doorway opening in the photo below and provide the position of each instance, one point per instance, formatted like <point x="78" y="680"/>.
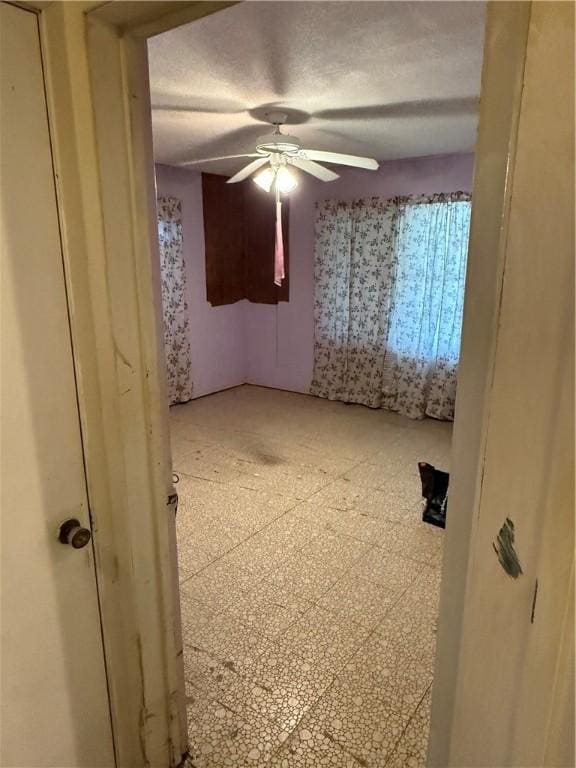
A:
<point x="309" y="582"/>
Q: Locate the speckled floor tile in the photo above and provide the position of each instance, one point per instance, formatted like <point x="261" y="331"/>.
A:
<point x="341" y="494"/>
<point x="387" y="568"/>
<point x="197" y="619"/>
<point x="193" y="557"/>
<point x="410" y="629"/>
<point x="206" y="468"/>
<point x="305" y="576"/>
<point x="411" y="750"/>
<point x="290" y="532"/>
<point x="421" y="600"/>
<point x="412" y="516"/>
<point x="309" y="582"/>
<point x="207" y="672"/>
<point x="278" y="686"/>
<point x="296" y="753"/>
<point x="342" y="550"/>
<point x="220" y="738"/>
<point x="256" y="555"/>
<point x="181" y="428"/>
<point x="390" y="503"/>
<point x="323" y="638"/>
<point x="257" y="511"/>
<point x="260" y="473"/>
<point x="315" y="513"/>
<point x="371" y="476"/>
<point x="212" y="529"/>
<point x="396" y="678"/>
<point x="267" y="608"/>
<point x="300" y="482"/>
<point x="228" y="501"/>
<point x="235" y="644"/>
<point x="358" y="600"/>
<point x="422" y="543"/>
<point x="211" y="533"/>
<point x="387" y="459"/>
<point x="217" y="586"/>
<point x="182" y="447"/>
<point x="210" y="628"/>
<point x="224" y="576"/>
<point x="362" y="726"/>
<point x="357" y="525"/>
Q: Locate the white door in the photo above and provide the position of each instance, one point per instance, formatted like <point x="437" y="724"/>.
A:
<point x="514" y="702"/>
<point x="55" y="709"/>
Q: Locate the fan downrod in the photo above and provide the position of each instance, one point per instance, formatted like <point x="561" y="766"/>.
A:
<point x="278" y="143"/>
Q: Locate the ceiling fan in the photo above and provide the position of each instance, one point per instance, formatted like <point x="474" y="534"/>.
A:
<point x="277" y="153"/>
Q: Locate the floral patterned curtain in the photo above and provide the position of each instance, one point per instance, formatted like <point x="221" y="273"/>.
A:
<point x="175" y="308"/>
<point x="389" y="289"/>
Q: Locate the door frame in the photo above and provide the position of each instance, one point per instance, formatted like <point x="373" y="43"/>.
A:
<point x="96" y="68"/>
<point x="96" y="72"/>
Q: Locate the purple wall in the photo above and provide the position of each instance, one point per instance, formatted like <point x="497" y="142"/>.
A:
<point x="216" y="333"/>
<point x="273" y="345"/>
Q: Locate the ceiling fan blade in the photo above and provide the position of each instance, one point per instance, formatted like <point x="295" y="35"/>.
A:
<point x="335" y="157"/>
<point x="324" y="174"/>
<point x="212" y="159"/>
<point x="163" y="101"/>
<point x="248" y="170"/>
<point x="426" y="108"/>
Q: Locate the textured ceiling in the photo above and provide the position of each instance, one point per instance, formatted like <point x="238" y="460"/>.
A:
<point x="383" y="79"/>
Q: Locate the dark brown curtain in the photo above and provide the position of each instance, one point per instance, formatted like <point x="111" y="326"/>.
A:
<point x="224" y="240"/>
<point x="239" y="230"/>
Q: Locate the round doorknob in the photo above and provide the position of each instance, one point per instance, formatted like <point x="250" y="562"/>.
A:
<point x="71" y="532"/>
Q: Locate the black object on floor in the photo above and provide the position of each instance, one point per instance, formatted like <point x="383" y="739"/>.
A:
<point x="434" y="493"/>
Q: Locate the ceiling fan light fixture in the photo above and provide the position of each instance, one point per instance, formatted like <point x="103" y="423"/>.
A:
<point x="286" y="180"/>
<point x="265" y="179"/>
<point x="281" y="179"/>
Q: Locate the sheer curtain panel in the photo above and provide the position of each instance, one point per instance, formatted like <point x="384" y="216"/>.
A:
<point x="175" y="308"/>
<point x="389" y="290"/>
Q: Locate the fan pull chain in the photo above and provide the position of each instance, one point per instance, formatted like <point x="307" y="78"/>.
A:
<point x="279" y="245"/>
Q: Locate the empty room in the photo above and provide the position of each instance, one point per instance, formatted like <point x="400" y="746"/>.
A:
<point x="287" y="402"/>
<point x="314" y="166"/>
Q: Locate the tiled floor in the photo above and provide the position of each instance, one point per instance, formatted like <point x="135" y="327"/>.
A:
<point x="309" y="583"/>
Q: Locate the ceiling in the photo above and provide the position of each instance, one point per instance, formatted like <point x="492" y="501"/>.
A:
<point x="382" y="79"/>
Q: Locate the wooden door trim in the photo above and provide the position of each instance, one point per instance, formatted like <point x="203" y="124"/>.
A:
<point x="95" y="59"/>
